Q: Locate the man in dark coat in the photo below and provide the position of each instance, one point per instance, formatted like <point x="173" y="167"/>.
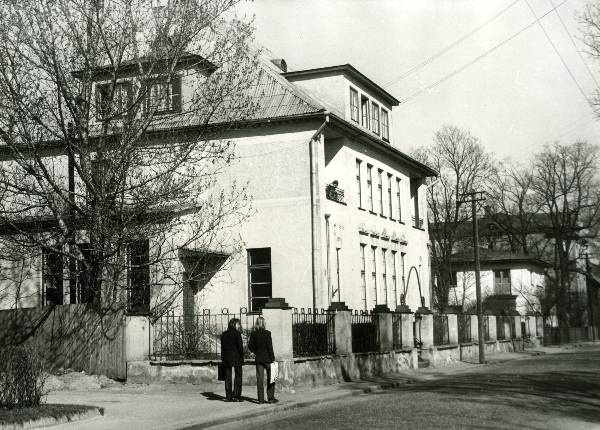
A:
<point x="232" y="355"/>
<point x="261" y="344"/>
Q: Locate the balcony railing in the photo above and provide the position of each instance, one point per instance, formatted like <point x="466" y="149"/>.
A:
<point x="334" y="193"/>
<point x="417" y="222"/>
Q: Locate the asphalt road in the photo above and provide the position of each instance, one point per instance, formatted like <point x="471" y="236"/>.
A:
<point x="552" y="391"/>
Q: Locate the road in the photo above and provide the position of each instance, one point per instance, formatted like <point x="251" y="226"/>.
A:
<point x="552" y="391"/>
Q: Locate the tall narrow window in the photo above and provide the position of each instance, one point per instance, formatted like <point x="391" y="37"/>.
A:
<point x="52" y="277"/>
<point x="384" y="274"/>
<point x="358" y="183"/>
<point x="363" y="280"/>
<point x="374" y="273"/>
<point x="385" y="125"/>
<point x="370" y="187"/>
<point x="138" y="292"/>
<point x="502" y="281"/>
<point x="389" y="196"/>
<point x="399" y="199"/>
<point x="85" y="293"/>
<point x="380" y="189"/>
<point x="402" y="272"/>
<point x="259" y="277"/>
<point x="354" y="104"/>
<point x="338" y="293"/>
<point x="414" y="195"/>
<point x="364" y="106"/>
<point x="394" y="279"/>
<point x="375" y="117"/>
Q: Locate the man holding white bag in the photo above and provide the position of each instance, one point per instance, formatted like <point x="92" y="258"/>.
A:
<point x="261" y="345"/>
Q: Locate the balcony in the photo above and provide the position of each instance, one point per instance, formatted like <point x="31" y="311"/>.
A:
<point x="417" y="223"/>
<point x="334" y="193"/>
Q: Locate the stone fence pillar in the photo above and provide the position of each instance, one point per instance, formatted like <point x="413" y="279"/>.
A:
<point x="385" y="331"/>
<point x="138" y="338"/>
<point x="343" y="327"/>
<point x="406" y="321"/>
<point x="474" y="329"/>
<point x="492" y="319"/>
<point x="539" y="325"/>
<point x="452" y="328"/>
<point x="426" y="326"/>
<point x="278" y="320"/>
<point x="518" y="331"/>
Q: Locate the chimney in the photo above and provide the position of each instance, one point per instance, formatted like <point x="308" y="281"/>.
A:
<point x="280" y="62"/>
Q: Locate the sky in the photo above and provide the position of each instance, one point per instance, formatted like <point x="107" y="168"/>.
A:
<point x="510" y="90"/>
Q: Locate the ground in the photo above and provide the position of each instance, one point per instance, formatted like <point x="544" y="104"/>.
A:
<point x="553" y="391"/>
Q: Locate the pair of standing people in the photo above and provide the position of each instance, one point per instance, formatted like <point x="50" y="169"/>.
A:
<point x="232" y="355"/>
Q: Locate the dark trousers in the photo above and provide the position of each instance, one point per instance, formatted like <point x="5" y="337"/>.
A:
<point x="260" y="375"/>
<point x="237" y="383"/>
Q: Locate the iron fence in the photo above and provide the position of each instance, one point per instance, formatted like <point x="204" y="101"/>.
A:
<point x="441" y="330"/>
<point x="486" y="328"/>
<point x="364" y="332"/>
<point x="397" y="330"/>
<point x="464" y="328"/>
<point x="178" y="337"/>
<point x="313" y="333"/>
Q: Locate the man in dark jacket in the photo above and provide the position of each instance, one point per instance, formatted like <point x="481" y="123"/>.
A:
<point x="232" y="355"/>
<point x="261" y="344"/>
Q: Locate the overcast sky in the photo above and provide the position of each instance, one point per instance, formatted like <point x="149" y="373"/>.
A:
<point x="515" y="98"/>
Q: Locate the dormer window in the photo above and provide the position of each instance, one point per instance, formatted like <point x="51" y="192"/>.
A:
<point x="163" y="96"/>
<point x="375" y="117"/>
<point x="364" y="106"/>
<point x="353" y="104"/>
<point x="113" y="101"/>
<point x="385" y="125"/>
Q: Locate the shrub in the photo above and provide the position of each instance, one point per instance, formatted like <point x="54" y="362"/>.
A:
<point x="22" y="377"/>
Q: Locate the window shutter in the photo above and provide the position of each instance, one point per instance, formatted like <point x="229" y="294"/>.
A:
<point x="176" y="94"/>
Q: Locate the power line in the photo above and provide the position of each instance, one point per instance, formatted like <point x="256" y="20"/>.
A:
<point x="587" y="67"/>
<point x="562" y="60"/>
<point x="447" y="48"/>
<point x="479" y="57"/>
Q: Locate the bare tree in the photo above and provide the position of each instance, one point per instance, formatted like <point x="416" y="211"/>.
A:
<point x="590" y="23"/>
<point x="112" y="122"/>
<point x="463" y="165"/>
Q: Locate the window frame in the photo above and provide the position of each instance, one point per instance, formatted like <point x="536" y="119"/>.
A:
<point x="399" y="198"/>
<point x="141" y="271"/>
<point x="363" y="274"/>
<point x="354" y="105"/>
<point x="374" y="272"/>
<point x="261" y="266"/>
<point x="57" y="280"/>
<point x="173" y="86"/>
<point x="385" y="125"/>
<point x="380" y="188"/>
<point x="390" y="200"/>
<point x="370" y="187"/>
<point x="365" y="116"/>
<point x="104" y="112"/>
<point x="375" y="121"/>
<point x="359" y="181"/>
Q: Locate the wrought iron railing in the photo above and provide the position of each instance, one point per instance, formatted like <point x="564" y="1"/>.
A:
<point x="313" y="333"/>
<point x="364" y="332"/>
<point x="334" y="193"/>
<point x="397" y="330"/>
<point x="464" y="328"/>
<point x="441" y="330"/>
<point x="178" y="337"/>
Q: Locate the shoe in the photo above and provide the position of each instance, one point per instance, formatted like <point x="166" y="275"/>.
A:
<point x="272" y="401"/>
<point x="237" y="399"/>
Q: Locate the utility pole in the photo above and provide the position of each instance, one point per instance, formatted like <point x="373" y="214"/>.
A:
<point x="588" y="287"/>
<point x="473" y="197"/>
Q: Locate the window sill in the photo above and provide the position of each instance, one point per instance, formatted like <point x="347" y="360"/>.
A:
<point x="373" y="213"/>
<point x="418" y="228"/>
<point x="382" y="216"/>
<point x="362" y="209"/>
<point x="401" y="222"/>
<point x="392" y="219"/>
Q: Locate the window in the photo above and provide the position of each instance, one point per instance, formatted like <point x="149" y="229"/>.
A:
<point x="370" y="187"/>
<point x="364" y="106"/>
<point x="384" y="274"/>
<point x="389" y="196"/>
<point x="337" y="274"/>
<point x="162" y="96"/>
<point x="375" y="117"/>
<point x="259" y="277"/>
<point x="358" y="183"/>
<point x="502" y="281"/>
<point x="138" y="292"/>
<point x="399" y="199"/>
<point x="374" y="273"/>
<point x="52" y="277"/>
<point x="113" y="101"/>
<point x="363" y="281"/>
<point x="353" y="104"/>
<point x="394" y="279"/>
<point x="84" y="289"/>
<point x="380" y="189"/>
<point x="385" y="125"/>
<point x="414" y="195"/>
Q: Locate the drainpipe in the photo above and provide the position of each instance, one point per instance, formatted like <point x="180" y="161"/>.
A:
<point x="315" y="208"/>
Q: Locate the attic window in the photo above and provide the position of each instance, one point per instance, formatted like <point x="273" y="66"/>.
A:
<point x="113" y="101"/>
<point x="364" y="106"/>
<point x="162" y="96"/>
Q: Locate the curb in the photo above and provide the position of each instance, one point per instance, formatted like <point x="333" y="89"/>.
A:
<point x="375" y="388"/>
<point x="52" y="421"/>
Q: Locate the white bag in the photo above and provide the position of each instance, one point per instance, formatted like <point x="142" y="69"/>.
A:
<point x="274" y="372"/>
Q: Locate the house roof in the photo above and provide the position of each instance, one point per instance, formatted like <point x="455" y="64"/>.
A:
<point x="493" y="256"/>
<point x="351" y="71"/>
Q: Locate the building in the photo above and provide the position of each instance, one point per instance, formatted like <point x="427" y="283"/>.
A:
<point x="338" y="208"/>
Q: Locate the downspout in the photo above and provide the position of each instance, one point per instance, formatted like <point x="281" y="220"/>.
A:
<point x="315" y="208"/>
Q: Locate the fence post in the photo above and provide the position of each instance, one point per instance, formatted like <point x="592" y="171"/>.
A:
<point x="406" y="320"/>
<point x="492" y="326"/>
<point x="474" y="329"/>
<point x="137" y="338"/>
<point x="539" y="326"/>
<point x="452" y="327"/>
<point x="385" y="330"/>
<point x="518" y="331"/>
<point x="342" y="324"/>
<point x="426" y="326"/>
<point x="278" y="319"/>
